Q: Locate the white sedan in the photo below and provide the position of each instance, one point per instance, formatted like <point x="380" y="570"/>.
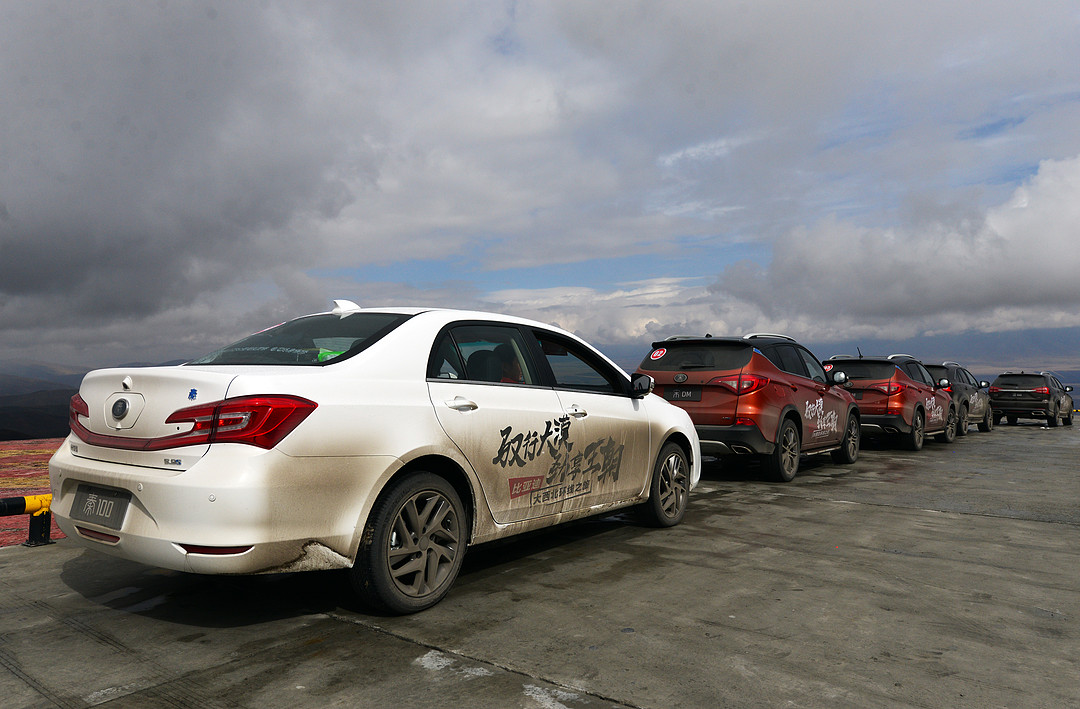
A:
<point x="384" y="441"/>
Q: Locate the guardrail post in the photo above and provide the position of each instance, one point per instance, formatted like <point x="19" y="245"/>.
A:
<point x="40" y="530"/>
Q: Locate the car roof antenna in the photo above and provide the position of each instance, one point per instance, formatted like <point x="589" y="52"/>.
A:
<point x="859" y="350"/>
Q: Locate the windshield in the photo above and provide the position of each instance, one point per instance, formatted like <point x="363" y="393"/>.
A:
<point x="673" y="357"/>
<point x="859" y="369"/>
<point x="312" y="340"/>
<point x="1019" y="381"/>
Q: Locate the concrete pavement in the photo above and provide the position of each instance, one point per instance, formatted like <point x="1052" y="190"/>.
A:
<point x="944" y="578"/>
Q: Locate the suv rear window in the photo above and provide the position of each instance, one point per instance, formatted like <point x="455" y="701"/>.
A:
<point x="1019" y="381"/>
<point x="856" y="369"/>
<point x="311" y="340"/>
<point x="720" y="356"/>
<point x="937" y="371"/>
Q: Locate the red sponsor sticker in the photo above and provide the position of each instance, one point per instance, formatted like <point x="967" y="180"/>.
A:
<point x="828" y="367"/>
<point x="523" y="486"/>
<point x="657" y="354"/>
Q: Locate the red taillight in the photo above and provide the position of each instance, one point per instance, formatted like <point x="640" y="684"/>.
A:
<point x="741" y="383"/>
<point x="77" y="408"/>
<point x="260" y="421"/>
<point x="888" y="388"/>
<point x="994" y="390"/>
<point x="1042" y="390"/>
<point x="744" y="421"/>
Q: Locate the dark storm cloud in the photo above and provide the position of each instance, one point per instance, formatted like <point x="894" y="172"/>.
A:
<point x="152" y="152"/>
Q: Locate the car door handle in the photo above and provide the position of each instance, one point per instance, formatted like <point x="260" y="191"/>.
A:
<point x="460" y="403"/>
<point x="577" y="412"/>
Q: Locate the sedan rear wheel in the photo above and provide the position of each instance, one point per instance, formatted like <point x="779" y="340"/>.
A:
<point x="669" y="488"/>
<point x="413" y="545"/>
<point x="783" y="463"/>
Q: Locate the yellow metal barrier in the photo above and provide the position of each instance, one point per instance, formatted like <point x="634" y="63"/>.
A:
<point x="40" y="521"/>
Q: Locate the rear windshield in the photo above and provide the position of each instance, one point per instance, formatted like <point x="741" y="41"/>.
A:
<point x="857" y="369"/>
<point x="1019" y="381"/>
<point x="937" y="371"/>
<point x="313" y="340"/>
<point x="719" y="356"/>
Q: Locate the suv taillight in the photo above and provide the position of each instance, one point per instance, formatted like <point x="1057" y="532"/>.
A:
<point x="888" y="388"/>
<point x="1042" y="390"/>
<point x="993" y="390"/>
<point x="741" y="383"/>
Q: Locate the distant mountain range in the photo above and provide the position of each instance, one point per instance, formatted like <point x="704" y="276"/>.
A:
<point x="34" y="398"/>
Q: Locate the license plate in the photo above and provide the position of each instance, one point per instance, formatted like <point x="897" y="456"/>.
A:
<point x="682" y="393"/>
<point x="100" y="505"/>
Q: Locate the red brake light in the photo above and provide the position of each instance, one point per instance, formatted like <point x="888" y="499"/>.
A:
<point x="260" y="421"/>
<point x="77" y="408"/>
<point x="1042" y="390"/>
<point x="888" y="388"/>
<point x="741" y="383"/>
<point x="993" y="390"/>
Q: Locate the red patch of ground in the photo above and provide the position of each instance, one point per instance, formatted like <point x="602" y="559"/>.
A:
<point x="24" y="470"/>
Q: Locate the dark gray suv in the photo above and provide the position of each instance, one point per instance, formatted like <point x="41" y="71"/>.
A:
<point x="968" y="393"/>
<point x="1031" y="395"/>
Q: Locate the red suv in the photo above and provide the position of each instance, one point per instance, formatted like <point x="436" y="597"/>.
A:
<point x="763" y="395"/>
<point x="898" y="396"/>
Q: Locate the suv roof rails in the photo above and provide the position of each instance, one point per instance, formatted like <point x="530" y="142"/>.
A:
<point x="842" y="356"/>
<point x="899" y="355"/>
<point x="949" y="361"/>
<point x="1012" y="371"/>
<point x="752" y="335"/>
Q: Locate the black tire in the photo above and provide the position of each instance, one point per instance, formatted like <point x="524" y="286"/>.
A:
<point x="1012" y="420"/>
<point x="962" y="422"/>
<point x="997" y="419"/>
<point x="1068" y="418"/>
<point x="413" y="545"/>
<point x="849" y="446"/>
<point x="669" y="488"/>
<point x="948" y="434"/>
<point x="987" y="423"/>
<point x="1052" y="418"/>
<point x="783" y="463"/>
<point x="913" y="439"/>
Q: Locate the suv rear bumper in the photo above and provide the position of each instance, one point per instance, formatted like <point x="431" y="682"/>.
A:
<point x="733" y="440"/>
<point x="1037" y="409"/>
<point x="877" y="424"/>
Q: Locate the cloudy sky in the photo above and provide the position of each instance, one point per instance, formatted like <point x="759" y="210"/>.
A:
<point x="175" y="175"/>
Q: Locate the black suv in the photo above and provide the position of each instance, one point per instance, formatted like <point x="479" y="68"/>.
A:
<point x="968" y="393"/>
<point x="1031" y="395"/>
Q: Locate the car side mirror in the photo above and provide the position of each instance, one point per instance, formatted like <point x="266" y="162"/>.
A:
<point x="641" y="385"/>
<point x="838" y="377"/>
<point x="1068" y="388"/>
<point x="984" y="384"/>
<point x="942" y="383"/>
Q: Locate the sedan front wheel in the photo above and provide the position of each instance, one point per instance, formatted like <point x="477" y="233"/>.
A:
<point x="669" y="488"/>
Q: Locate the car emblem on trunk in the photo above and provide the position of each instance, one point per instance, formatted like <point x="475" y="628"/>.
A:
<point x="120" y="409"/>
<point x="680" y="378"/>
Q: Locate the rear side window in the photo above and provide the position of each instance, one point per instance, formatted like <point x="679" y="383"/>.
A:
<point x="856" y="369"/>
<point x="482" y="353"/>
<point x="1019" y="381"/>
<point x="313" y="340"/>
<point x="720" y="356"/>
